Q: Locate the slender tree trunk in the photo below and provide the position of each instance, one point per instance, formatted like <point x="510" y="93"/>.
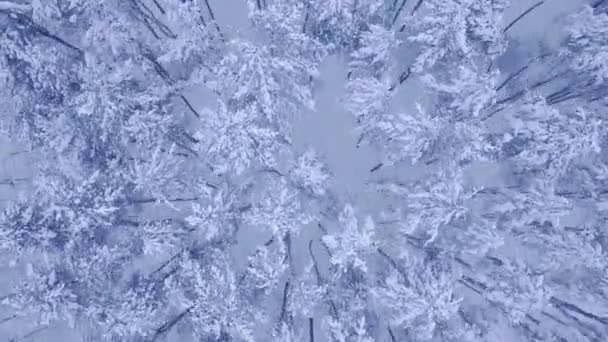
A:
<point x="511" y="77"/>
<point x="376" y="168"/>
<point x="170" y="324"/>
<point x="526" y="12"/>
<point x="8" y="319"/>
<point x="306" y="17"/>
<point x="417" y="6"/>
<point x="283" y="316"/>
<point x="390" y="332"/>
<point x="172" y="200"/>
<point x="598" y="4"/>
<point x="571" y="307"/>
<point x="314" y="263"/>
<point x="164" y="264"/>
<point x="31" y="333"/>
<point x="311" y="330"/>
<point x="25" y="20"/>
<point x="398" y="11"/>
<point x="396" y="266"/>
<point x="190" y="107"/>
<point x="212" y="16"/>
<point x="402" y="78"/>
<point x="160" y="8"/>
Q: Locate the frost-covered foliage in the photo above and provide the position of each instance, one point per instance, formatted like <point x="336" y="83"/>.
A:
<point x="171" y="200"/>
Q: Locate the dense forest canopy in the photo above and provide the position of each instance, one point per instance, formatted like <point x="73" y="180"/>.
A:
<point x="170" y="198"/>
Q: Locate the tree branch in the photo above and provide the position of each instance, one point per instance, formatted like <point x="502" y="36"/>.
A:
<point x="9" y="318"/>
<point x="172" y="200"/>
<point x="170" y="324"/>
<point x="398" y="11"/>
<point x="395" y="266"/>
<point x="27" y="21"/>
<point x="571" y="307"/>
<point x="147" y="13"/>
<point x="314" y="263"/>
<point x="282" y="317"/>
<point x="31" y="333"/>
<point x="311" y="329"/>
<point x="160" y="8"/>
<point x="522" y="15"/>
<point x="390" y="332"/>
<point x="417" y="6"/>
<point x="212" y="16"/>
<point x="376" y="168"/>
<point x="164" y="264"/>
<point x="402" y="78"/>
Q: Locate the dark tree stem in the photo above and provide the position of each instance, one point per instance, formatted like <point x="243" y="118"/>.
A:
<point x="396" y="266"/>
<point x="170" y="324"/>
<point x="164" y="74"/>
<point x="283" y="315"/>
<point x="31" y="333"/>
<point x="417" y="6"/>
<point x="288" y="246"/>
<point x="7" y="319"/>
<point x="164" y="264"/>
<point x="390" y="332"/>
<point x="376" y="168"/>
<point x="25" y="20"/>
<point x="314" y="263"/>
<point x="306" y="16"/>
<point x="212" y="16"/>
<point x="470" y="287"/>
<point x="160" y="8"/>
<point x="511" y="77"/>
<point x="396" y="16"/>
<point x="311" y="329"/>
<point x="571" y="307"/>
<point x="151" y="29"/>
<point x="536" y="5"/>
<point x="190" y="107"/>
<point x="172" y="200"/>
<point x="148" y="14"/>
<point x="402" y="78"/>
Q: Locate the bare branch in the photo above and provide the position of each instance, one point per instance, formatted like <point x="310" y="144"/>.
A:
<point x="158" y="200"/>
<point x="571" y="307"/>
<point x="28" y="22"/>
<point x="311" y="329"/>
<point x="314" y="263"/>
<point x="284" y="304"/>
<point x="376" y="168"/>
<point x="398" y="11"/>
<point x="212" y="16"/>
<point x="170" y="324"/>
<point x="164" y="264"/>
<point x="395" y="265"/>
<point x="31" y="333"/>
<point x="9" y="318"/>
<point x="160" y="8"/>
<point x="390" y="332"/>
<point x="417" y="6"/>
<point x="402" y="78"/>
<point x="522" y="15"/>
